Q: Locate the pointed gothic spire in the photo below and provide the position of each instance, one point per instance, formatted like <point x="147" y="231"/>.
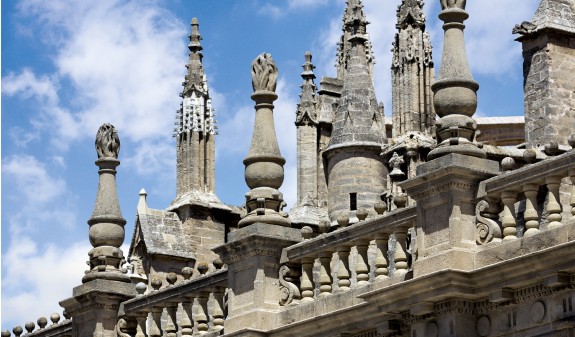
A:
<point x="410" y="13"/>
<point x="551" y="14"/>
<point x="358" y="118"/>
<point x="195" y="78"/>
<point x="354" y="22"/>
<point x="306" y="109"/>
<point x="412" y="72"/>
<point x="195" y="132"/>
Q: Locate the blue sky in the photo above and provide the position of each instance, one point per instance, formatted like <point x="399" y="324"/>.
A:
<point x="68" y="66"/>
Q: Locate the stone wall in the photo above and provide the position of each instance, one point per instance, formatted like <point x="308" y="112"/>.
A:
<point x="549" y="64"/>
<point x="358" y="171"/>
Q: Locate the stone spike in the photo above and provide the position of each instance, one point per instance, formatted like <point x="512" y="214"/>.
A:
<point x="142" y="203"/>
<point x="354" y="21"/>
<point x="306" y="109"/>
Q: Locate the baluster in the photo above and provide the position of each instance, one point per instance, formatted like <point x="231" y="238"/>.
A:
<point x="572" y="199"/>
<point x="306" y="281"/>
<point x="156" y="326"/>
<point x="553" y="205"/>
<point x="325" y="273"/>
<point x="362" y="268"/>
<point x="531" y="216"/>
<point x="508" y="221"/>
<point x="201" y="310"/>
<point x="217" y="309"/>
<point x="381" y="257"/>
<point x="343" y="276"/>
<point x="141" y="319"/>
<point x="171" y="325"/>
<point x="400" y="256"/>
<point x="186" y="321"/>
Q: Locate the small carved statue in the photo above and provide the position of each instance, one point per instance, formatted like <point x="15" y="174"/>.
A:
<point x="264" y="73"/>
<point x="107" y="142"/>
<point x="395" y="162"/>
<point x="445" y="4"/>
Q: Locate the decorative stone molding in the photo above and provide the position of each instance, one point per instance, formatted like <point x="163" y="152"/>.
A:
<point x="289" y="291"/>
<point x="487" y="228"/>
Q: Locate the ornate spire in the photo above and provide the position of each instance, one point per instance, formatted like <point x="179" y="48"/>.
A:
<point x="354" y="22"/>
<point x="412" y="72"/>
<point x="306" y="109"/>
<point x="195" y="132"/>
<point x="106" y="223"/>
<point x="358" y="118"/>
<point x="455" y="91"/>
<point x="410" y="13"/>
<point x="264" y="172"/>
<point x="196" y="112"/>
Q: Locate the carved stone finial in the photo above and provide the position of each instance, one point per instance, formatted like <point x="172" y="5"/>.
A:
<point x="106" y="223"/>
<point x="455" y="91"/>
<point x="107" y="141"/>
<point x="264" y="73"/>
<point x="264" y="171"/>
<point x="55" y="318"/>
<point x="448" y="4"/>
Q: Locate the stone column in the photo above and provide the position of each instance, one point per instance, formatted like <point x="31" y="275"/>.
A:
<point x="253" y="252"/>
<point x="94" y="305"/>
<point x="264" y="171"/>
<point x="455" y="91"/>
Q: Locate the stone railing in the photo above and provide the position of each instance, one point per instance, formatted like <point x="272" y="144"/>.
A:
<point x="380" y="251"/>
<point x="526" y="201"/>
<point x="191" y="307"/>
<point x="41" y="329"/>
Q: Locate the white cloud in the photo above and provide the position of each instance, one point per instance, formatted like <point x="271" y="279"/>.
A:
<point x="123" y="60"/>
<point x="37" y="278"/>
<point x="27" y="84"/>
<point x="31" y="179"/>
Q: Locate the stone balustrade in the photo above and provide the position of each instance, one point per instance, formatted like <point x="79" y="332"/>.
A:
<point x="351" y="257"/>
<point x="42" y="329"/>
<point x="527" y="201"/>
<point x="189" y="308"/>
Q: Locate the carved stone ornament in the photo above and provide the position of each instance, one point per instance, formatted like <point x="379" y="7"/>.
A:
<point x="107" y="142"/>
<point x="524" y="28"/>
<point x="487" y="229"/>
<point x="288" y="290"/>
<point x="447" y="4"/>
<point x="264" y="73"/>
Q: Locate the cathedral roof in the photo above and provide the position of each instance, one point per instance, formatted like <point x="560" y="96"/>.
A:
<point x="161" y="232"/>
<point x="551" y="14"/>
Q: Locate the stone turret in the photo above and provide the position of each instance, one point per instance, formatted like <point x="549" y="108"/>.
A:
<point x="412" y="72"/>
<point x="549" y="62"/>
<point x="353" y="17"/>
<point x="195" y="135"/>
<point x="308" y="209"/>
<point x="356" y="173"/>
